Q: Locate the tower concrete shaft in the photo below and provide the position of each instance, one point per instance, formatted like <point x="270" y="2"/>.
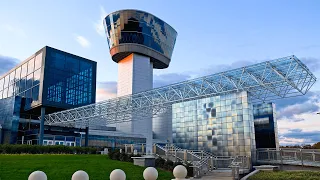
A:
<point x="135" y="74"/>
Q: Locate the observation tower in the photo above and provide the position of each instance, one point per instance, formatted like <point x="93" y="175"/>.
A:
<point x="138" y="42"/>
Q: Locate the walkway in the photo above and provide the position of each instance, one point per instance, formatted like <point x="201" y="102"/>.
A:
<point x="217" y="175"/>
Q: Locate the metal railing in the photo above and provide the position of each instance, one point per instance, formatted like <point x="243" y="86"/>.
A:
<point x="301" y="157"/>
<point x="202" y="161"/>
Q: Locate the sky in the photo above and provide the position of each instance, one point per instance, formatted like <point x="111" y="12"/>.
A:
<point x="212" y="36"/>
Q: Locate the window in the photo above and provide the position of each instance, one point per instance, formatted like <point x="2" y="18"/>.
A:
<point x="5" y="93"/>
<point x="12" y="75"/>
<point x="36" y="77"/>
<point x="28" y="94"/>
<point x="18" y="73"/>
<point x="24" y="70"/>
<point x="6" y="81"/>
<point x="31" y="66"/>
<point x="1" y="83"/>
<point x="38" y="61"/>
<point x="10" y="91"/>
<point x="35" y="93"/>
<point x="29" y="81"/>
<point x="23" y="84"/>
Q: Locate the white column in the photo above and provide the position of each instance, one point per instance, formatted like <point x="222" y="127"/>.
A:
<point x="135" y="74"/>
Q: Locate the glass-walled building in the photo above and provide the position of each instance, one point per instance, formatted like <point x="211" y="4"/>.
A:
<point x="24" y="80"/>
<point x="225" y="125"/>
<point x="51" y="80"/>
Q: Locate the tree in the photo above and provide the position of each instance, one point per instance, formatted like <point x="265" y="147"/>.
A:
<point x="316" y="145"/>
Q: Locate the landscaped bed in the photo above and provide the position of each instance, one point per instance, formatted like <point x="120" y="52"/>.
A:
<point x="61" y="167"/>
<point x="286" y="175"/>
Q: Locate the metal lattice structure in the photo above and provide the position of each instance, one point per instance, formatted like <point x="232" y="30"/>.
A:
<point x="280" y="78"/>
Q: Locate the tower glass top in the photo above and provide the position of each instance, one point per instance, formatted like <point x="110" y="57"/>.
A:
<point x="137" y="31"/>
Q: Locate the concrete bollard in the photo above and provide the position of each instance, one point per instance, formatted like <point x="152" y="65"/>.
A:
<point x="117" y="174"/>
<point x="150" y="173"/>
<point x="80" y="175"/>
<point x="37" y="175"/>
<point x="180" y="172"/>
<point x="106" y="151"/>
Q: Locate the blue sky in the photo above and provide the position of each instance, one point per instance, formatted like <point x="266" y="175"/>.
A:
<point x="212" y="36"/>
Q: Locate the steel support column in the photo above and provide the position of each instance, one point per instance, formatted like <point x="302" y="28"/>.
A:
<point x="0" y="134"/>
<point x="86" y="140"/>
<point x="41" y="132"/>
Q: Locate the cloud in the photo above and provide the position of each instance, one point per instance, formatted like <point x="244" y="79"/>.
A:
<point x="298" y="136"/>
<point x="82" y="41"/>
<point x="312" y="63"/>
<point x="170" y="78"/>
<point x="98" y="25"/>
<point x="7" y="63"/>
<point x="14" y="30"/>
<point x="308" y="104"/>
<point x="106" y="90"/>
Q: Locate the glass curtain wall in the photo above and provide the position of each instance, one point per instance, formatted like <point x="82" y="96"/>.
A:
<point x="69" y="80"/>
<point x="265" y="123"/>
<point x="23" y="81"/>
<point x="133" y="26"/>
<point x="9" y="119"/>
<point x="222" y="125"/>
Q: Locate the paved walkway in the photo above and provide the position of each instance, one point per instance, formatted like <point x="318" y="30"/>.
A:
<point x="218" y="175"/>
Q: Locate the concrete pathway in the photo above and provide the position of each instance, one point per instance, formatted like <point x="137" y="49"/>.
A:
<point x="217" y="175"/>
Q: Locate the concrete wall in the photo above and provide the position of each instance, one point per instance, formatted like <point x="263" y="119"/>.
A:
<point x="135" y="74"/>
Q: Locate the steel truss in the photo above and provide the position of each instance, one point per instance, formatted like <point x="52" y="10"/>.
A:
<point x="280" y="78"/>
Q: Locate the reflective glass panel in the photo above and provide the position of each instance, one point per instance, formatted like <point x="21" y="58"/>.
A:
<point x="12" y="75"/>
<point x="1" y="84"/>
<point x="24" y="70"/>
<point x="6" y="81"/>
<point x="31" y="66"/>
<point x="18" y="73"/>
<point x="38" y="61"/>
<point x="29" y="81"/>
<point x="36" y="77"/>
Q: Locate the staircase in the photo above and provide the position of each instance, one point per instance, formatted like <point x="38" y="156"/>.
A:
<point x="203" y="163"/>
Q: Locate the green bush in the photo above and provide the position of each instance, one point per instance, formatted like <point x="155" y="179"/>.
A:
<point x="123" y="157"/>
<point x="189" y="169"/>
<point x="160" y="162"/>
<point x="37" y="149"/>
<point x="168" y="165"/>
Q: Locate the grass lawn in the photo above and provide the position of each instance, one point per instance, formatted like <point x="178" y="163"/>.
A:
<point x="61" y="167"/>
<point x="284" y="175"/>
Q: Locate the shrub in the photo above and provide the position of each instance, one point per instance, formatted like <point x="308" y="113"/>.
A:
<point x="168" y="165"/>
<point x="116" y="155"/>
<point x="160" y="162"/>
<point x="36" y="149"/>
<point x="189" y="169"/>
<point x="123" y="156"/>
